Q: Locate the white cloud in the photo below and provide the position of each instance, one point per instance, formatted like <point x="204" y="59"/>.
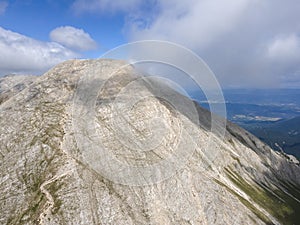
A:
<point x="283" y="59"/>
<point x="245" y="42"/>
<point x="285" y="48"/>
<point x="3" y="6"/>
<point x="20" y="53"/>
<point x="81" y="6"/>
<point x="73" y="38"/>
<point x="232" y="36"/>
<point x="195" y="24"/>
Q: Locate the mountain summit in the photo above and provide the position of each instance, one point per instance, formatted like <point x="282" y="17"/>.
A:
<point x="95" y="142"/>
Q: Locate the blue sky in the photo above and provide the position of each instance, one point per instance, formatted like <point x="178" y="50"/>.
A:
<point x="36" y="19"/>
<point x="247" y="43"/>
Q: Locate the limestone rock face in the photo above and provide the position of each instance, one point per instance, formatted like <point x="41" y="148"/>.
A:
<point x="13" y="84"/>
<point x="93" y="142"/>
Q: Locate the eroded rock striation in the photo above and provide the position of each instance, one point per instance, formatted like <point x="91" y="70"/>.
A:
<point x="53" y="168"/>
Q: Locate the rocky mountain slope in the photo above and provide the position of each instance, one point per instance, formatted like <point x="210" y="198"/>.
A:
<point x="13" y="84"/>
<point x="54" y="169"/>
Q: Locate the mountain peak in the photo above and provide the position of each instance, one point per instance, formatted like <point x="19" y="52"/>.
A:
<point x="96" y="142"/>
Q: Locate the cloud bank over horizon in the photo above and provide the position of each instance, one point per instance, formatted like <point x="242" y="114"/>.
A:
<point x="23" y="54"/>
<point x="245" y="42"/>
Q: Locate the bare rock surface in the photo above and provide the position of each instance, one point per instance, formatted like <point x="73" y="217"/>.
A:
<point x="10" y="85"/>
<point x="55" y="147"/>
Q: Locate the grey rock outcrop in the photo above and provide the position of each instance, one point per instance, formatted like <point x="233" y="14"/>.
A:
<point x="13" y="84"/>
<point x="48" y="177"/>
